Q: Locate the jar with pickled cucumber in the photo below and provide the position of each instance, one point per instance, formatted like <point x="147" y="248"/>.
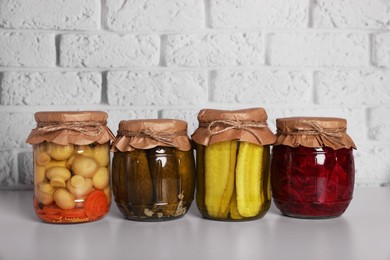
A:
<point x="71" y="153"/>
<point x="153" y="169"/>
<point x="312" y="167"/>
<point x="232" y="161"/>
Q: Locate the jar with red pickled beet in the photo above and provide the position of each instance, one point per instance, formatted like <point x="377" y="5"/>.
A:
<point x="312" y="167"/>
<point x="71" y="166"/>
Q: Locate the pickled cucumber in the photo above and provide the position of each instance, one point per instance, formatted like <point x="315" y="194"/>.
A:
<point x="220" y="159"/>
<point x="249" y="179"/>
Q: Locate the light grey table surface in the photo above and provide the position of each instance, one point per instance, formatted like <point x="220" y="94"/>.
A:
<point x="363" y="232"/>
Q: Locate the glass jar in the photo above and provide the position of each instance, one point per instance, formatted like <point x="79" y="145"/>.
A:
<point x="153" y="169"/>
<point x="232" y="158"/>
<point x="312" y="167"/>
<point x="71" y="152"/>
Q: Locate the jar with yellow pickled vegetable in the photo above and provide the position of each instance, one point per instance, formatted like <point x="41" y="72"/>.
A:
<point x="232" y="159"/>
<point x="71" y="166"/>
<point x="153" y="169"/>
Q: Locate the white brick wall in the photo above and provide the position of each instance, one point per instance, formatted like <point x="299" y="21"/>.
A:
<point x="170" y="58"/>
<point x="260" y="87"/>
<point x="373" y="14"/>
<point x="27" y="49"/>
<point x="156" y="88"/>
<point x="50" y="88"/>
<point x="208" y="50"/>
<point x="109" y="50"/>
<point x="352" y="87"/>
<point x="258" y="14"/>
<point x="53" y="14"/>
<point x="381" y="49"/>
<point x="156" y="15"/>
<point x="319" y="49"/>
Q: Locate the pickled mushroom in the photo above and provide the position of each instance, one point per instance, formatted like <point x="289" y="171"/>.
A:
<point x="54" y="163"/>
<point x="42" y="158"/>
<point x="85" y="150"/>
<point x="101" y="154"/>
<point x="101" y="178"/>
<point x="79" y="186"/>
<point x="58" y="176"/>
<point x="44" y="193"/>
<point x="64" y="199"/>
<point x="39" y="174"/>
<point x="84" y="166"/>
<point x="59" y="152"/>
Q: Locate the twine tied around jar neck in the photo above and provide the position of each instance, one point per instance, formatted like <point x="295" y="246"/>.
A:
<point x="232" y="124"/>
<point x="314" y="128"/>
<point x="87" y="128"/>
<point x="159" y="137"/>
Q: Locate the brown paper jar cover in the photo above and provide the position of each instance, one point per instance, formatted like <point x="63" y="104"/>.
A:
<point x="313" y="132"/>
<point x="149" y="133"/>
<point x="247" y="125"/>
<point x="71" y="127"/>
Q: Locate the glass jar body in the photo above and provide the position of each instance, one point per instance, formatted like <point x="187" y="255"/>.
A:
<point x="154" y="184"/>
<point x="233" y="180"/>
<point x="71" y="182"/>
<point x="312" y="182"/>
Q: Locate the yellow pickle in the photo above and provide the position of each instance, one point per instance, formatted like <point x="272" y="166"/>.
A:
<point x="71" y="166"/>
<point x="153" y="169"/>
<point x="233" y="170"/>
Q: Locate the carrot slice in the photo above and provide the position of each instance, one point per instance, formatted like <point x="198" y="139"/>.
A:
<point x="51" y="209"/>
<point x="53" y="217"/>
<point x="96" y="204"/>
<point x="73" y="213"/>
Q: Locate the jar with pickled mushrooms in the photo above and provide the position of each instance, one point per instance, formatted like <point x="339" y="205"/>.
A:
<point x="71" y="166"/>
<point x="312" y="167"/>
<point x="232" y="159"/>
<point x="153" y="169"/>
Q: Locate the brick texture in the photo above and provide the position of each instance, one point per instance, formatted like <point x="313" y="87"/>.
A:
<point x="53" y="14"/>
<point x="15" y="129"/>
<point x="258" y="14"/>
<point x="353" y="87"/>
<point x="50" y="88"/>
<point x="156" y="88"/>
<point x="116" y="115"/>
<point x="377" y="171"/>
<point x="372" y="14"/>
<point x="109" y="50"/>
<point x="7" y="178"/>
<point x="379" y="123"/>
<point x="26" y="168"/>
<point x="262" y="87"/>
<point x="156" y="15"/>
<point x="319" y="49"/>
<point x="207" y="50"/>
<point x="381" y="52"/>
<point x="188" y="115"/>
<point x="27" y="49"/>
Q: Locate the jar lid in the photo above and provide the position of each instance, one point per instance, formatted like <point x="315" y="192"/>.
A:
<point x="313" y="132"/>
<point x="70" y="127"/>
<point x="149" y="133"/>
<point x="248" y="125"/>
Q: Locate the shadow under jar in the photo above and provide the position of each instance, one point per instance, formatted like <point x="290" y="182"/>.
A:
<point x="312" y="167"/>
<point x="153" y="169"/>
<point x="71" y="166"/>
<point x="232" y="151"/>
